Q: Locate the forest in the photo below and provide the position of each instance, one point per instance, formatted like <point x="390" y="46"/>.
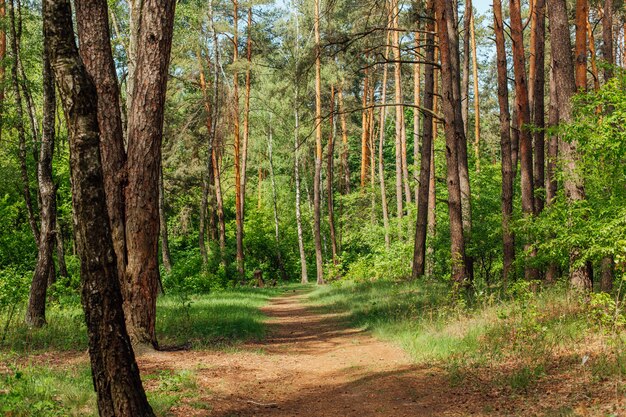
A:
<point x="312" y="207"/>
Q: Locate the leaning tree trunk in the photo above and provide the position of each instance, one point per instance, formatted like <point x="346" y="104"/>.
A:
<point x="92" y="20"/>
<point x="419" y="250"/>
<point x="115" y="372"/>
<point x="565" y="83"/>
<point x="36" y="311"/>
<point x="145" y="132"/>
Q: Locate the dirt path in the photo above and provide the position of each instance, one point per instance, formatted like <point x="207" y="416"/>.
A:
<point x="311" y="365"/>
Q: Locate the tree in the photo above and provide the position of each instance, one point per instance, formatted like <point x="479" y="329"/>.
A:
<point x="115" y="373"/>
<point x="451" y="105"/>
<point x="317" y="214"/>
<point x="419" y="251"/>
<point x="565" y="83"/>
<point x="145" y="131"/>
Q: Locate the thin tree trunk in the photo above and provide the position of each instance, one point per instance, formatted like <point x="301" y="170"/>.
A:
<point x="330" y="154"/>
<point x="381" y="142"/>
<point x="279" y="255"/>
<point x="364" y="131"/>
<point x="508" y="238"/>
<point x="36" y="311"/>
<point x="21" y="132"/>
<point x="165" y="246"/>
<point x="607" y="39"/>
<point x="416" y="115"/>
<point x="476" y="93"/>
<point x="115" y="372"/>
<point x="237" y="156"/>
<point x="523" y="121"/>
<point x="419" y="251"/>
<point x="467" y="23"/>
<point x="606" y="278"/>
<point x="551" y="169"/>
<point x="399" y="110"/>
<point x="451" y="104"/>
<point x="537" y="103"/>
<point x="565" y="83"/>
<point x="345" y="169"/>
<point x="317" y="214"/>
<point x="145" y="133"/>
<point x="580" y="48"/>
<point x="92" y="19"/>
<point x="592" y="57"/>
<point x="3" y="53"/>
<point x="304" y="276"/>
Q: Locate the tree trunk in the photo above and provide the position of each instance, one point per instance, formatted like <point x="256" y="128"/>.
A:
<point x="565" y="84"/>
<point x="476" y="95"/>
<point x="21" y="132"/>
<point x="115" y="372"/>
<point x="62" y="266"/>
<point x="36" y="311"/>
<point x="592" y="57"/>
<point x="399" y="111"/>
<point x="330" y="154"/>
<point x="345" y="169"/>
<point x="381" y="142"/>
<point x="508" y="238"/>
<point x="3" y="54"/>
<point x="580" y="48"/>
<point x="551" y="169"/>
<point x="317" y="212"/>
<point x="237" y="156"/>
<point x="365" y="125"/>
<point x="467" y="22"/>
<point x="523" y="121"/>
<point x="537" y="103"/>
<point x="419" y="251"/>
<point x="281" y="265"/>
<point x="145" y="131"/>
<point x="606" y="278"/>
<point x="451" y="104"/>
<point x="607" y="39"/>
<point x="92" y="19"/>
<point x="304" y="275"/>
<point x="165" y="246"/>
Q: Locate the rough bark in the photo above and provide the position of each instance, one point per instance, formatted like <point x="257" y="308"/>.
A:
<point x="451" y="105"/>
<point x="36" y="310"/>
<point x="92" y="20"/>
<point x="419" y="250"/>
<point x="538" y="103"/>
<point x="508" y="238"/>
<point x="145" y="131"/>
<point x="580" y="48"/>
<point x="565" y="83"/>
<point x="115" y="372"/>
<point x="317" y="212"/>
<point x="607" y="39"/>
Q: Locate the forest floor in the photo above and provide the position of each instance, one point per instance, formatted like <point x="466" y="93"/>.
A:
<point x="313" y="363"/>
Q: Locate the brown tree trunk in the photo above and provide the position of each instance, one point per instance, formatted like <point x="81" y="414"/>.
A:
<point x="62" y="266"/>
<point x="476" y="95"/>
<point x="451" y="104"/>
<point x="21" y="132"/>
<point x="508" y="238"/>
<point x="365" y="125"/>
<point x="523" y="122"/>
<point x="36" y="310"/>
<point x="551" y="168"/>
<point x="237" y="156"/>
<point x="345" y="169"/>
<point x="592" y="57"/>
<point x="537" y="103"/>
<point x="580" y="48"/>
<point x="381" y="142"/>
<point x="145" y="131"/>
<point x="606" y="277"/>
<point x="565" y="84"/>
<point x="115" y="372"/>
<point x="92" y="20"/>
<point x="330" y="154"/>
<point x="3" y="53"/>
<point x="317" y="212"/>
<point x="165" y="246"/>
<point x="467" y="21"/>
<point x="399" y="112"/>
<point x="421" y="225"/>
<point x="607" y="39"/>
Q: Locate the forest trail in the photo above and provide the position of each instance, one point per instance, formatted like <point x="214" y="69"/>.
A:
<point x="312" y="364"/>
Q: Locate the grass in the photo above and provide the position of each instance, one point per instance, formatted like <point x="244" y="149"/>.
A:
<point x="201" y="321"/>
<point x="220" y="320"/>
<point x="510" y="343"/>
